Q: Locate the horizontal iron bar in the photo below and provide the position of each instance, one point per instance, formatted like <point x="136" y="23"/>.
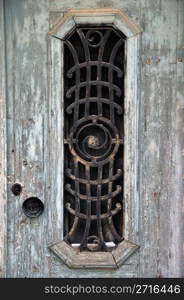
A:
<point x="94" y="182"/>
<point x="94" y="63"/>
<point x="91" y="83"/>
<point x="94" y="217"/>
<point x="97" y="100"/>
<point x="85" y="197"/>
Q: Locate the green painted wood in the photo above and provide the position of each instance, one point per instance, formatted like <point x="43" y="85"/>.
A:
<point x="159" y="141"/>
<point x="26" y="29"/>
<point x="160" y="149"/>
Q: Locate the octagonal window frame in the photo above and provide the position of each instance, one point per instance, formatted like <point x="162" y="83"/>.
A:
<point x="71" y="256"/>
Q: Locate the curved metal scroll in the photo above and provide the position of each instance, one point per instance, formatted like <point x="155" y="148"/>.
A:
<point x="94" y="89"/>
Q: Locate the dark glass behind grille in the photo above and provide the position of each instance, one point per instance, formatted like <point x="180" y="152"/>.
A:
<point x="93" y="130"/>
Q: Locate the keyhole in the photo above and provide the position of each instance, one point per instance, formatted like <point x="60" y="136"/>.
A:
<point x="16" y="189"/>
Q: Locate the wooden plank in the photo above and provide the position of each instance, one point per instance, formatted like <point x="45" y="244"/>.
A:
<point x="55" y="141"/>
<point x="3" y="149"/>
<point x="176" y="262"/>
<point x="131" y="123"/>
<point x="26" y="29"/>
<point x="157" y="131"/>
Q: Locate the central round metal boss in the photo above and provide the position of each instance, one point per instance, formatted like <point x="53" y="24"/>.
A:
<point x="94" y="140"/>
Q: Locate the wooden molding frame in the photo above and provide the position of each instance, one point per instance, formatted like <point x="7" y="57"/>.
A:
<point x="73" y="258"/>
<point x="95" y="16"/>
<point x="114" y="17"/>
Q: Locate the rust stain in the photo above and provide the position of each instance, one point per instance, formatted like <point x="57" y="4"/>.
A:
<point x="148" y="61"/>
<point x="179" y="59"/>
<point x="35" y="269"/>
<point x="156" y="195"/>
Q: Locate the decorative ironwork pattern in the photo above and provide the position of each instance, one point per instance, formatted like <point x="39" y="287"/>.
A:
<point x="93" y="137"/>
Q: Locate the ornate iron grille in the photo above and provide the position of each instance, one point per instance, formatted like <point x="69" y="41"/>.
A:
<point x="93" y="137"/>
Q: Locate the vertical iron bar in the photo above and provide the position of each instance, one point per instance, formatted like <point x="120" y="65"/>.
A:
<point x="110" y="76"/>
<point x="88" y="210"/>
<point x="109" y="202"/>
<point x="99" y="69"/>
<point x="77" y="202"/>
<point x="98" y="208"/>
<point x="88" y="68"/>
<point x="77" y="80"/>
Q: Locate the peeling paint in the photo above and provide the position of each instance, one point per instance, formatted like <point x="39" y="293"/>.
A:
<point x="161" y="147"/>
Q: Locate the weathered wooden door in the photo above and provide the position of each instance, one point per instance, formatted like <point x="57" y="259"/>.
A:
<point x="34" y="159"/>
